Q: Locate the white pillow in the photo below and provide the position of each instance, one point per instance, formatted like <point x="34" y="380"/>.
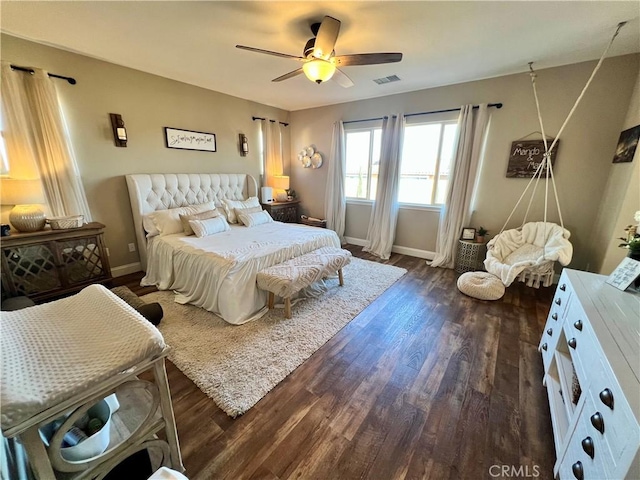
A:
<point x="246" y="210"/>
<point x="149" y="226"/>
<point x="231" y="205"/>
<point x="211" y="226"/>
<point x="256" y="218"/>
<point x="165" y="222"/>
<point x="196" y="216"/>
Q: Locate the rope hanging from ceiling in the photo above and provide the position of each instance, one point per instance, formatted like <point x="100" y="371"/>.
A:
<point x="545" y="165"/>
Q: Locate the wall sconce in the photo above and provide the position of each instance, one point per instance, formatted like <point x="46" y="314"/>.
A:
<point x="119" y="132"/>
<point x="244" y="145"/>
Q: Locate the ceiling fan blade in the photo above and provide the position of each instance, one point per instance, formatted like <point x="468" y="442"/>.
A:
<point x="366" y="59"/>
<point x="269" y="52"/>
<point x="287" y="76"/>
<point x="342" y="79"/>
<point x="326" y="38"/>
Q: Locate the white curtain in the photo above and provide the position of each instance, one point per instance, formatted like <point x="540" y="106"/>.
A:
<point x="384" y="215"/>
<point x="335" y="203"/>
<point x="272" y="148"/>
<point x="456" y="213"/>
<point x="32" y="101"/>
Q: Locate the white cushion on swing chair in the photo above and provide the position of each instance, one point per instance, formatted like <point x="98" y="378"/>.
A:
<point x="536" y="243"/>
<point x="481" y="285"/>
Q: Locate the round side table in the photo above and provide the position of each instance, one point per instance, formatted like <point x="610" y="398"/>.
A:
<point x="470" y="256"/>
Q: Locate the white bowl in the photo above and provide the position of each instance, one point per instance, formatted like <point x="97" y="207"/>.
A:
<point x="96" y="443"/>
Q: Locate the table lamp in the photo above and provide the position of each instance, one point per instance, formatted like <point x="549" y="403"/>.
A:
<point x="27" y="215"/>
<point x="281" y="184"/>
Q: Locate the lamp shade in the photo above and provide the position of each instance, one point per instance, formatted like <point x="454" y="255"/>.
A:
<point x="17" y="191"/>
<point x="319" y="70"/>
<point x="280" y="182"/>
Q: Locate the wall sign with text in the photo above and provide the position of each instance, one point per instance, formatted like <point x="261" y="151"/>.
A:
<point x="526" y="155"/>
<point x="189" y="140"/>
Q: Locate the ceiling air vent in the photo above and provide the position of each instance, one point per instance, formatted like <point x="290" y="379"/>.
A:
<point x="389" y="79"/>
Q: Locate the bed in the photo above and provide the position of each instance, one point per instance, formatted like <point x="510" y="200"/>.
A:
<point x="217" y="272"/>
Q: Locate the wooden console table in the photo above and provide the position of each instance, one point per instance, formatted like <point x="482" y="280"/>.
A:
<point x="51" y="263"/>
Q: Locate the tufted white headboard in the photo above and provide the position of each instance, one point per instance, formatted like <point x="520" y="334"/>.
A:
<point x="160" y="191"/>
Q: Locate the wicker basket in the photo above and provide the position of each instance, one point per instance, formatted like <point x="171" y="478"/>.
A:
<point x="313" y="222"/>
<point x="62" y="223"/>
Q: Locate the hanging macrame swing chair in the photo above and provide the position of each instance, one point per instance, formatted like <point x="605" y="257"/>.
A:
<point x="528" y="253"/>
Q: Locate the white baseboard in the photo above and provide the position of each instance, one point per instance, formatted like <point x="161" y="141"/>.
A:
<point x="126" y="269"/>
<point x="413" y="252"/>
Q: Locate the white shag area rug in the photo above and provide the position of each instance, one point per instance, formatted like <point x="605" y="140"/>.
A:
<point x="237" y="365"/>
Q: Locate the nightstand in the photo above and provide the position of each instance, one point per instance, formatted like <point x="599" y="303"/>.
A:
<point x="286" y="212"/>
<point x="470" y="256"/>
<point x="51" y="263"/>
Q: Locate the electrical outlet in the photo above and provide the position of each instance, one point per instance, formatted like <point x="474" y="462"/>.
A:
<point x="132" y="247"/>
<point x="108" y="254"/>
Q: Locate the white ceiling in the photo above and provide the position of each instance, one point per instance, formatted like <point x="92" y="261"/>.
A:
<point x="443" y="42"/>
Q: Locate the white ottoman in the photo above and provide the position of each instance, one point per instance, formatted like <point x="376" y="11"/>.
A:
<point x="481" y="285"/>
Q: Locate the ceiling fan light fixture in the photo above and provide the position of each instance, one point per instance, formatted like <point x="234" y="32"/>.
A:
<point x="319" y="70"/>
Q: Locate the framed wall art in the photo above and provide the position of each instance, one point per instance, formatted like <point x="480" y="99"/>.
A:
<point x="526" y="155"/>
<point x="189" y="140"/>
<point x="627" y="144"/>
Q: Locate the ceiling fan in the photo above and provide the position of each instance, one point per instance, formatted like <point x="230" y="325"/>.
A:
<point x="320" y="62"/>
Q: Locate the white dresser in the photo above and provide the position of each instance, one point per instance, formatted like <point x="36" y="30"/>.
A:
<point x="592" y="339"/>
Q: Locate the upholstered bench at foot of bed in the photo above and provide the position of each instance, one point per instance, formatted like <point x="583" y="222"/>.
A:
<point x="288" y="278"/>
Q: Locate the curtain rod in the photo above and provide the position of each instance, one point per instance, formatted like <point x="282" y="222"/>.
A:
<point x="71" y="80"/>
<point x="497" y="105"/>
<point x="272" y="121"/>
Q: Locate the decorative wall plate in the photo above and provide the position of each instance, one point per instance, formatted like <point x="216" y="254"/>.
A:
<point x="306" y="161"/>
<point x="310" y="151"/>
<point x="316" y="160"/>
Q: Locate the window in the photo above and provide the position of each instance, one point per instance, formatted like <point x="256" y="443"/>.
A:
<point x="427" y="153"/>
<point x="363" y="162"/>
<point x="4" y="160"/>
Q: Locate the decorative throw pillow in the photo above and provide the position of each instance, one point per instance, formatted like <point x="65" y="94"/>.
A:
<point x="231" y="205"/>
<point x="256" y="218"/>
<point x="211" y="226"/>
<point x="238" y="211"/>
<point x="196" y="216"/>
<point x="149" y="226"/>
<point x="168" y="221"/>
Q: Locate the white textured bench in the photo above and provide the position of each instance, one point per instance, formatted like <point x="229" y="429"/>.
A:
<point x="288" y="278"/>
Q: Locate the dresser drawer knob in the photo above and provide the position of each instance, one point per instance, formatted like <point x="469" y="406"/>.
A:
<point x="606" y="396"/>
<point x="563" y="287"/>
<point x="549" y="331"/>
<point x="587" y="446"/>
<point x="572" y="343"/>
<point x="578" y="472"/>
<point x="578" y="325"/>
<point x="544" y="347"/>
<point x="554" y="316"/>
<point x="598" y="422"/>
<point x="558" y="301"/>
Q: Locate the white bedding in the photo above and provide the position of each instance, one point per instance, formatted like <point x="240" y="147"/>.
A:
<point x="218" y="272"/>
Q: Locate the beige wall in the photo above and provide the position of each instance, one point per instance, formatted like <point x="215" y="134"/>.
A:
<point x="147" y="103"/>
<point x="582" y="166"/>
<point x="620" y="201"/>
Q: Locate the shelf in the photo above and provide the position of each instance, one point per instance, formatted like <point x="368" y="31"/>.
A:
<point x="130" y="427"/>
<point x="559" y="416"/>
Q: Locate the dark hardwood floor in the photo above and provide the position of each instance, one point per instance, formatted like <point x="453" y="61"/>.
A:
<point x="424" y="383"/>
